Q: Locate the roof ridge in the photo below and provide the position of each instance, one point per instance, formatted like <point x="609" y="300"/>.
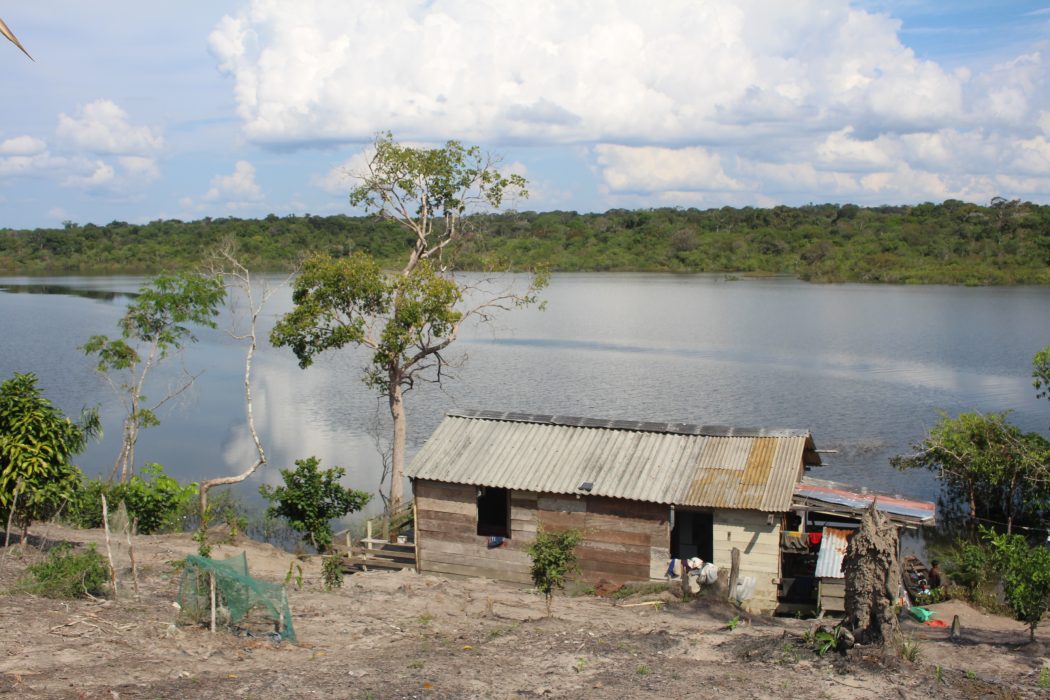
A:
<point x="630" y="425"/>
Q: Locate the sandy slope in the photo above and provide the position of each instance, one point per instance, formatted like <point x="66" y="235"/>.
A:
<point x="403" y="635"/>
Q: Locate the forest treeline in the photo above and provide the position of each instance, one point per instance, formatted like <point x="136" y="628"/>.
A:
<point x="1006" y="242"/>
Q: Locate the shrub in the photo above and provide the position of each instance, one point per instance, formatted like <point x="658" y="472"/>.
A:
<point x="67" y="574"/>
<point x="1025" y="572"/>
<point x="154" y="503"/>
<point x="332" y="572"/>
<point x="969" y="567"/>
<point x="553" y="557"/>
<point x="310" y="499"/>
<point x="154" y="500"/>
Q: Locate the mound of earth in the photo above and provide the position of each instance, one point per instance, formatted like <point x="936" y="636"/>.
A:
<point x="403" y="635"/>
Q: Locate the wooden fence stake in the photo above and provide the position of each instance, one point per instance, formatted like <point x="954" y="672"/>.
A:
<point x="109" y="550"/>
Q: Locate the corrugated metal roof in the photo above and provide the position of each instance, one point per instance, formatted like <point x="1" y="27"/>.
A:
<point x="673" y="463"/>
<point x="814" y="493"/>
<point x="833" y="544"/>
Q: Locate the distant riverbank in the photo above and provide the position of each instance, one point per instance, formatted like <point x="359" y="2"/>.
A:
<point x="954" y="242"/>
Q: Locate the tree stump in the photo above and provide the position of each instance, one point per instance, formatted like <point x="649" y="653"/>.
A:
<point x="872" y="580"/>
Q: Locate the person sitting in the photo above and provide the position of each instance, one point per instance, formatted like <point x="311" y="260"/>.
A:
<point x="934" y="577"/>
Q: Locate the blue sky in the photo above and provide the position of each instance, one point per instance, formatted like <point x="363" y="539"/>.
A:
<point x="137" y="111"/>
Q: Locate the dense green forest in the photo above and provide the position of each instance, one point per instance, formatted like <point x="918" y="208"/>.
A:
<point x="1007" y="242"/>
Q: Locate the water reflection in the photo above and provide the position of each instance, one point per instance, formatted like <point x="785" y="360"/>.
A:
<point x="66" y="290"/>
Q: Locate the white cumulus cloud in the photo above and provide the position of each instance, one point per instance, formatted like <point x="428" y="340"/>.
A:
<point x="711" y="97"/>
<point x="22" y="146"/>
<point x="652" y="169"/>
<point x="237" y="188"/>
<point x="102" y="127"/>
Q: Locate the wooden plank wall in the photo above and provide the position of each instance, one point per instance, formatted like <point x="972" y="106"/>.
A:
<point x="833" y="595"/>
<point x="759" y="545"/>
<point x="620" y="536"/>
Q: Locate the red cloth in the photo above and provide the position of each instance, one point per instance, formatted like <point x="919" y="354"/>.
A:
<point x="814" y="538"/>
<point x="936" y="623"/>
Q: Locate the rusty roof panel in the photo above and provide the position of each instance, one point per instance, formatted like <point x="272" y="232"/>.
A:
<point x="816" y="493"/>
<point x="622" y="459"/>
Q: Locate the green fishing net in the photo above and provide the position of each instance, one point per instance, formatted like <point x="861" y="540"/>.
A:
<point x="246" y="605"/>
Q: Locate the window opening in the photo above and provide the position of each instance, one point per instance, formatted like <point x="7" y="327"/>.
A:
<point x="494" y="512"/>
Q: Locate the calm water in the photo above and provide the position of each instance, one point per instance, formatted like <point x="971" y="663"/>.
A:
<point x="866" y="368"/>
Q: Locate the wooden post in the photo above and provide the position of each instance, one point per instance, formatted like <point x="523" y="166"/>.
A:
<point x="415" y="532"/>
<point x="109" y="551"/>
<point x="211" y="577"/>
<point x="368" y="544"/>
<point x="131" y="554"/>
<point x="734" y="573"/>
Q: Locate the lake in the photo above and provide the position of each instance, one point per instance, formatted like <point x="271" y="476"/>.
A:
<point x="864" y="367"/>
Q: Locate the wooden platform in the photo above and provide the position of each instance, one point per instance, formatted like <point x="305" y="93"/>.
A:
<point x="377" y="554"/>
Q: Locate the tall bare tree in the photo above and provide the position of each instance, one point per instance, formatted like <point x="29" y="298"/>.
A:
<point x="407" y="319"/>
<point x="238" y="279"/>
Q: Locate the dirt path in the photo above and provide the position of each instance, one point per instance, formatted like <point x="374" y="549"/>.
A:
<point x="402" y="635"/>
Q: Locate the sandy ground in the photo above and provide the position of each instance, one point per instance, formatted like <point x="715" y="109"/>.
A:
<point x="403" y="635"/>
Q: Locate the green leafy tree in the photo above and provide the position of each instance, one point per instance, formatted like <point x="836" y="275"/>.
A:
<point x="1025" y="575"/>
<point x="155" y="326"/>
<point x="310" y="499"/>
<point x="553" y="557"/>
<point x="407" y="319"/>
<point x="987" y="466"/>
<point x="37" y="445"/>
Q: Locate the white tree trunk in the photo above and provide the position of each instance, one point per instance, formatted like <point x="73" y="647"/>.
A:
<point x="397" y="457"/>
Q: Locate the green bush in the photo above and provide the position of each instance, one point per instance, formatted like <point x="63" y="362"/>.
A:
<point x="969" y="566"/>
<point x="154" y="501"/>
<point x="1025" y="572"/>
<point x="310" y="499"/>
<point x="553" y="557"/>
<point x="332" y="572"/>
<point x="67" y="574"/>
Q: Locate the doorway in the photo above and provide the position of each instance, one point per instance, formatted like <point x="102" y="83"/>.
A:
<point x="693" y="535"/>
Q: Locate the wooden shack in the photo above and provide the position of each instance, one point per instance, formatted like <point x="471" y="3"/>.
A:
<point x="641" y="493"/>
<point x="824" y="516"/>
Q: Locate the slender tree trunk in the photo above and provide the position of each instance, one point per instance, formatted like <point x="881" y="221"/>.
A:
<point x="397" y="457"/>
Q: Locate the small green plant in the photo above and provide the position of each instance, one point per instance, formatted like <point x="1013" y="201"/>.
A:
<point x="426" y="618"/>
<point x="824" y="639"/>
<point x="68" y="574"/>
<point x="643" y="670"/>
<point x="1044" y="678"/>
<point x="553" y="557"/>
<point x="415" y="665"/>
<point x="295" y="573"/>
<point x="938" y="674"/>
<point x="332" y="572"/>
<point x="971" y="675"/>
<point x="311" y="498"/>
<point x="581" y="663"/>
<point x="789" y="654"/>
<point x="909" y="649"/>
<point x="733" y="623"/>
